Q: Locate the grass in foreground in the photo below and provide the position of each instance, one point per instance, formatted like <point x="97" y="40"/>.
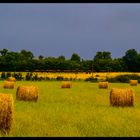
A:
<point x="83" y="110"/>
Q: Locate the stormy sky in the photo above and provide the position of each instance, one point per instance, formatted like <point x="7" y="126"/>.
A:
<point x="63" y="29"/>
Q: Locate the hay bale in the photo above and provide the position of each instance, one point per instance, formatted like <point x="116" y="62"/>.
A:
<point x="27" y="93"/>
<point x="133" y="82"/>
<point x="103" y="85"/>
<point x="12" y="79"/>
<point x="121" y="97"/>
<point x="9" y="84"/>
<point x="6" y="112"/>
<point x="66" y="84"/>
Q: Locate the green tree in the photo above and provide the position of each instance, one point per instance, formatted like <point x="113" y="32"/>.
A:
<point x="102" y="55"/>
<point x="26" y="55"/>
<point x="75" y="57"/>
<point x="130" y="59"/>
<point x="3" y="52"/>
<point x="87" y="65"/>
<point x="61" y="58"/>
<point x="117" y="65"/>
<point x="102" y="61"/>
<point x="40" y="57"/>
<point x="106" y="55"/>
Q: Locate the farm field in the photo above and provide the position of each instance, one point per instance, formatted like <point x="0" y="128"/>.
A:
<point x="83" y="110"/>
<point x="79" y="75"/>
<point x="84" y="75"/>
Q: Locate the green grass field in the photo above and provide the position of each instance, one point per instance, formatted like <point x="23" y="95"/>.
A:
<point x="83" y="110"/>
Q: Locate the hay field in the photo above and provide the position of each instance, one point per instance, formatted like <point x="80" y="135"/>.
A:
<point x="79" y="75"/>
<point x="82" y="111"/>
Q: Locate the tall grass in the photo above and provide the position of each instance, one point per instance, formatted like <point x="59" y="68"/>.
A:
<point x="80" y="111"/>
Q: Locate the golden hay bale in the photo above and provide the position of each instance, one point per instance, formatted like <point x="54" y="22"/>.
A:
<point x="121" y="97"/>
<point x="9" y="84"/>
<point x="27" y="93"/>
<point x="66" y="84"/>
<point x="103" y="85"/>
<point x="6" y="112"/>
<point x="133" y="82"/>
<point x="13" y="79"/>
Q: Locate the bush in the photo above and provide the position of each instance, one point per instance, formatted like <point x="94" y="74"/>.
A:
<point x="91" y="79"/>
<point x="41" y="78"/>
<point x="29" y="76"/>
<point x="66" y="79"/>
<point x="47" y="78"/>
<point x="3" y="75"/>
<point x="124" y="78"/>
<point x="35" y="77"/>
<point x="59" y="78"/>
<point x="18" y="76"/>
<point x="8" y="74"/>
<point x="71" y="79"/>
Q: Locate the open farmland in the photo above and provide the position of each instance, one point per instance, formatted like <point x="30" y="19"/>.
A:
<point x="69" y="70"/>
<point x="81" y="75"/>
<point x="76" y="76"/>
<point x="82" y="110"/>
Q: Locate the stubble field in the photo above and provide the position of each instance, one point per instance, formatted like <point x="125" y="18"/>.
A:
<point x="83" y="110"/>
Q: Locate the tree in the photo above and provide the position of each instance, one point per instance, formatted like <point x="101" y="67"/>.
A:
<point x="118" y="65"/>
<point x="12" y="60"/>
<point x="130" y="60"/>
<point x="27" y="55"/>
<point x="3" y="52"/>
<point x="106" y="55"/>
<point x="99" y="55"/>
<point x="87" y="65"/>
<point x="61" y="58"/>
<point x="75" y="57"/>
<point x="102" y="61"/>
<point x="138" y="62"/>
<point x="50" y="63"/>
<point x="40" y="57"/>
<point x="102" y="65"/>
<point x="102" y="55"/>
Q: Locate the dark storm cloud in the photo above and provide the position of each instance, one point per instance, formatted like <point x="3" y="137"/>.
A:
<point x="62" y="29"/>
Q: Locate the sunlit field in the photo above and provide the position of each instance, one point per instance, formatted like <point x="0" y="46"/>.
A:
<point x="79" y="75"/>
<point x="83" y="110"/>
<point x="82" y="75"/>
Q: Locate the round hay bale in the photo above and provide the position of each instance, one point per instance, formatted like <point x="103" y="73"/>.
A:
<point x="27" y="93"/>
<point x="133" y="82"/>
<point x="12" y="79"/>
<point x="6" y="112"/>
<point x="9" y="84"/>
<point x="121" y="97"/>
<point x="103" y="85"/>
<point x="66" y="84"/>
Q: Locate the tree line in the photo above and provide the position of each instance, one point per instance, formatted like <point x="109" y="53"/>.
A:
<point x="101" y="62"/>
